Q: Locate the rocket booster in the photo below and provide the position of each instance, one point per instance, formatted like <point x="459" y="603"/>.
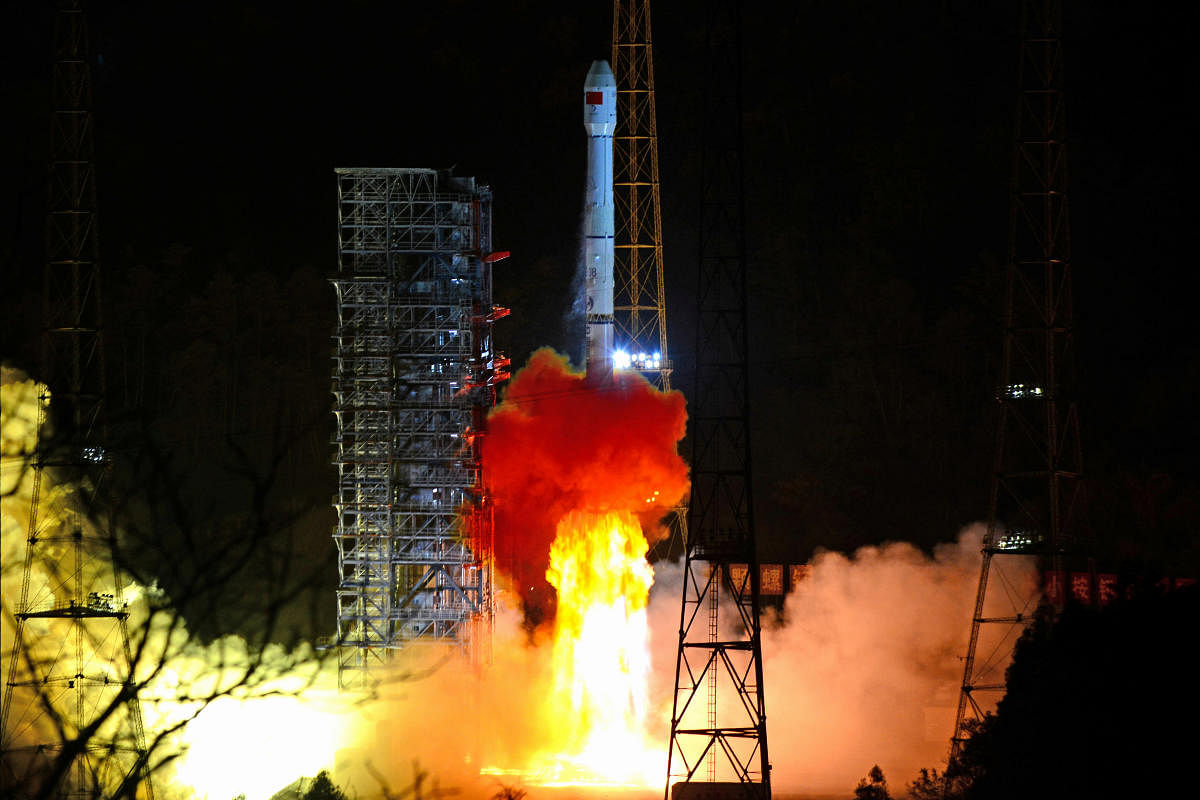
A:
<point x="599" y="120"/>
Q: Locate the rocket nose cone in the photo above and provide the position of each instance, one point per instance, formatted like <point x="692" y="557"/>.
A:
<point x="600" y="75"/>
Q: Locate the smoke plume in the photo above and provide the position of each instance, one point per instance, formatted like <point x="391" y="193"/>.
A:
<point x="557" y="444"/>
<point x="864" y="665"/>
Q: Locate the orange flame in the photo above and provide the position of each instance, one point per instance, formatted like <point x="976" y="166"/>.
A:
<point x="581" y="474"/>
<point x="601" y="652"/>
<point x="557" y="444"/>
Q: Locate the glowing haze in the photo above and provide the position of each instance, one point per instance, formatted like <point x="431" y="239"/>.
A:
<point x="861" y="664"/>
<point x="288" y="708"/>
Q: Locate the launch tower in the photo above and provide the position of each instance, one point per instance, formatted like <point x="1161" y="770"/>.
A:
<point x="1035" y="507"/>
<point x="639" y="303"/>
<point x="414" y="375"/>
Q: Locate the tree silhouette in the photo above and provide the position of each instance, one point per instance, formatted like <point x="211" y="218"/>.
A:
<point x="872" y="787"/>
<point x="151" y="518"/>
<point x="323" y="788"/>
<point x="1091" y="698"/>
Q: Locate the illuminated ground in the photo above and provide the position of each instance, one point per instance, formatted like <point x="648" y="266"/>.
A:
<point x="570" y="793"/>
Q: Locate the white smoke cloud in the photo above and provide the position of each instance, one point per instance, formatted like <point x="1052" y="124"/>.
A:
<point x="862" y="667"/>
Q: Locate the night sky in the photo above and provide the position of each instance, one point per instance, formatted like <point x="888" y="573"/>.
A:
<point x="878" y="157"/>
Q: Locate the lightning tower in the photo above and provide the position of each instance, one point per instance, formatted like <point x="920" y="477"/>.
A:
<point x="718" y="742"/>
<point x="1035" y="507"/>
<point x="639" y="298"/>
<point x="71" y="722"/>
<point x="414" y="375"/>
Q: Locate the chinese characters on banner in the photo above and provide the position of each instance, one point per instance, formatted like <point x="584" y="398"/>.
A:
<point x="737" y="574"/>
<point x="1106" y="588"/>
<point x="1056" y="584"/>
<point x="771" y="582"/>
<point x="776" y="580"/>
<point x="770" y="577"/>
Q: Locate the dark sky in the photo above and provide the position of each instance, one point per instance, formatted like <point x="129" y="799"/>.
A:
<point x="878" y="151"/>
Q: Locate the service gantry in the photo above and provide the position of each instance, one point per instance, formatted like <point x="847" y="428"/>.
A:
<point x="1035" y="510"/>
<point x="414" y="376"/>
<point x="71" y="720"/>
<point x="639" y="301"/>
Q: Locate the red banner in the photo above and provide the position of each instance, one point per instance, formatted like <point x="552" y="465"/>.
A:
<point x="800" y="573"/>
<point x="1081" y="588"/>
<point x="1054" y="587"/>
<point x="771" y="579"/>
<point x="1057" y="586"/>
<point x="1106" y="587"/>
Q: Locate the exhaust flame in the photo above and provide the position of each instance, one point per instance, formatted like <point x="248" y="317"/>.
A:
<point x="601" y="653"/>
<point x="558" y="445"/>
<point x="580" y="474"/>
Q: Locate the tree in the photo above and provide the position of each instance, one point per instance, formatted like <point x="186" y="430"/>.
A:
<point x="872" y="787"/>
<point x="1092" y="695"/>
<point x="929" y="785"/>
<point x="146" y="514"/>
<point x="506" y="792"/>
<point x="323" y="788"/>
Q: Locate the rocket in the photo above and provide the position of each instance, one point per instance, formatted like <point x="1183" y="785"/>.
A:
<point x="599" y="120"/>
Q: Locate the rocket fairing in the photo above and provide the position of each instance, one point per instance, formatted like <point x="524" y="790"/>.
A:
<point x="599" y="120"/>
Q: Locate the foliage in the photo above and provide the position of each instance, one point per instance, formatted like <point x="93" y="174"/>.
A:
<point x="929" y="785"/>
<point x="144" y="512"/>
<point x="1091" y="698"/>
<point x="323" y="788"/>
<point x="509" y="793"/>
<point x="872" y="787"/>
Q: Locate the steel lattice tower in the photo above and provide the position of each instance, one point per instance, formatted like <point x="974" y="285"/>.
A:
<point x="414" y="374"/>
<point x="1035" y="507"/>
<point x="718" y="720"/>
<point x="71" y="721"/>
<point x="639" y="302"/>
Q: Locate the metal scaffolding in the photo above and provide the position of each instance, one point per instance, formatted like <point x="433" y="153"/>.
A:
<point x="639" y="304"/>
<point x="1036" y="505"/>
<point x="414" y="376"/>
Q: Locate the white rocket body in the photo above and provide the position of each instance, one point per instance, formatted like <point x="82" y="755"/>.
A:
<point x="599" y="120"/>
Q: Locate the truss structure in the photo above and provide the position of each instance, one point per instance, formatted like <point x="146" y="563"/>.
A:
<point x="1036" y="503"/>
<point x="639" y="301"/>
<point x="71" y="720"/>
<point x="414" y="374"/>
<point x="718" y="745"/>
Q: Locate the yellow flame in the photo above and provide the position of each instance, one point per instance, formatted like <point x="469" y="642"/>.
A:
<point x="601" y="656"/>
